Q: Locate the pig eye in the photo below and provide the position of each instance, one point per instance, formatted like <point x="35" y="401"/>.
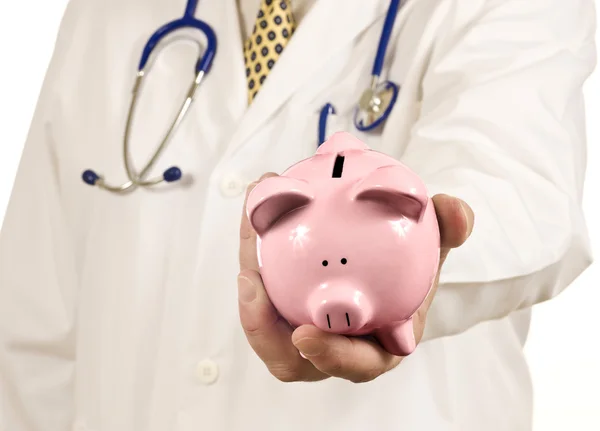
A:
<point x="344" y="261"/>
<point x="325" y="263"/>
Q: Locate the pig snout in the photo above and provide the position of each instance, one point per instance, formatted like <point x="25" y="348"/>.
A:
<point x="339" y="309"/>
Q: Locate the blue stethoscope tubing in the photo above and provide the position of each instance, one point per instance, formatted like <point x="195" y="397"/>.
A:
<point x="187" y="21"/>
<point x="371" y="102"/>
<point x="202" y="68"/>
<point x="384" y="40"/>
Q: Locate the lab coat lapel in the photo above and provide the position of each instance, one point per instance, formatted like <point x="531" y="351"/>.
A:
<point x="329" y="26"/>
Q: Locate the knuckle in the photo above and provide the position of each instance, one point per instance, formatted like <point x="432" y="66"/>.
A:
<point x="335" y="367"/>
<point x="246" y="231"/>
<point x="252" y="330"/>
<point x="360" y="379"/>
<point x="258" y="326"/>
<point x="285" y="373"/>
<point x="251" y="186"/>
<point x="367" y="376"/>
<point x="255" y="328"/>
<point x="267" y="175"/>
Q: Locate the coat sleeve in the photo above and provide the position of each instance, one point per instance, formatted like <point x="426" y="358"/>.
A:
<point x="502" y="127"/>
<point x="38" y="281"/>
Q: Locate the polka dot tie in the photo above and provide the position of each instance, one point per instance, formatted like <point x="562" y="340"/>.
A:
<point x="273" y="29"/>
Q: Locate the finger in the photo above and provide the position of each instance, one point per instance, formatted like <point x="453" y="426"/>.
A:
<point x="268" y="334"/>
<point x="247" y="254"/>
<point x="455" y="219"/>
<point x="351" y="358"/>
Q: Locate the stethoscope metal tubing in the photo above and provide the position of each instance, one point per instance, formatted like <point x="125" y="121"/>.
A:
<point x="202" y="67"/>
<point x="136" y="180"/>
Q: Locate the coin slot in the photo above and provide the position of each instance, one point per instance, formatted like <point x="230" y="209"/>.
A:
<point x="338" y="167"/>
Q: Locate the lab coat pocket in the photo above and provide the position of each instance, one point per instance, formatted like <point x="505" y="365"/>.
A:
<point x="342" y="122"/>
<point x="330" y="124"/>
<point x="309" y="135"/>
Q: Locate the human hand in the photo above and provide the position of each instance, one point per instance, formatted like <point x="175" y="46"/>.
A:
<point x="326" y="355"/>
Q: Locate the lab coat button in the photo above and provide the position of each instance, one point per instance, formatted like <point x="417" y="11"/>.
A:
<point x="207" y="372"/>
<point x="232" y="186"/>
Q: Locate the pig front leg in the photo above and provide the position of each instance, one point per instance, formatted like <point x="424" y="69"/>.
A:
<point x="399" y="339"/>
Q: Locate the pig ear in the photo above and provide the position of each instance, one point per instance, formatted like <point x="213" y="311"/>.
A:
<point x="395" y="187"/>
<point x="273" y="198"/>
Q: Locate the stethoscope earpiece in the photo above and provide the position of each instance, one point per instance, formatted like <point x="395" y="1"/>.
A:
<point x="169" y="175"/>
<point x="172" y="174"/>
<point x="90" y="177"/>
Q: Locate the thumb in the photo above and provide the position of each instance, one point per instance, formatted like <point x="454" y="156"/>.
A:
<point x="455" y="219"/>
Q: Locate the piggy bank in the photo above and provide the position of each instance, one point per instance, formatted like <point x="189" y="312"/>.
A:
<point x="347" y="241"/>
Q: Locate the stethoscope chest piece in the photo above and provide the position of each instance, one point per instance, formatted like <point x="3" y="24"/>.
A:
<point x="375" y="105"/>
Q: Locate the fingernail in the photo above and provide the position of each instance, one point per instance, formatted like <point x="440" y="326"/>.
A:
<point x="465" y="211"/>
<point x="251" y="186"/>
<point x="246" y="290"/>
<point x="310" y="346"/>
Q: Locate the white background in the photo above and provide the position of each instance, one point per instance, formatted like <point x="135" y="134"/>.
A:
<point x="564" y="345"/>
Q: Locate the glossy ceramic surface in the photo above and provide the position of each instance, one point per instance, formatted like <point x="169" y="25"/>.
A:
<point x="348" y="241"/>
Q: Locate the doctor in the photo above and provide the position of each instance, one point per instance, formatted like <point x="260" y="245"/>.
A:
<point x="120" y="312"/>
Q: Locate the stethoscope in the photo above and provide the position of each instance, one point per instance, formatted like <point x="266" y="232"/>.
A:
<point x="377" y="101"/>
<point x="373" y="108"/>
<point x="202" y="68"/>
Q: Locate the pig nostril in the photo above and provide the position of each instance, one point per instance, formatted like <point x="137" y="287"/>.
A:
<point x="325" y="263"/>
<point x="344" y="261"/>
<point x="328" y="322"/>
<point x="348" y="319"/>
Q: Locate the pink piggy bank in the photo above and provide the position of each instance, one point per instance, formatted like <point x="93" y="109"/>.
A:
<point x="348" y="241"/>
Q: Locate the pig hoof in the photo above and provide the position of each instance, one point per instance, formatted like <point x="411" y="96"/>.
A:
<point x="399" y="340"/>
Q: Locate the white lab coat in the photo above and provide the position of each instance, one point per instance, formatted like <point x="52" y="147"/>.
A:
<point x="119" y="313"/>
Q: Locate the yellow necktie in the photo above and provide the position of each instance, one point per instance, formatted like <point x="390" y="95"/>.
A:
<point x="273" y="29"/>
